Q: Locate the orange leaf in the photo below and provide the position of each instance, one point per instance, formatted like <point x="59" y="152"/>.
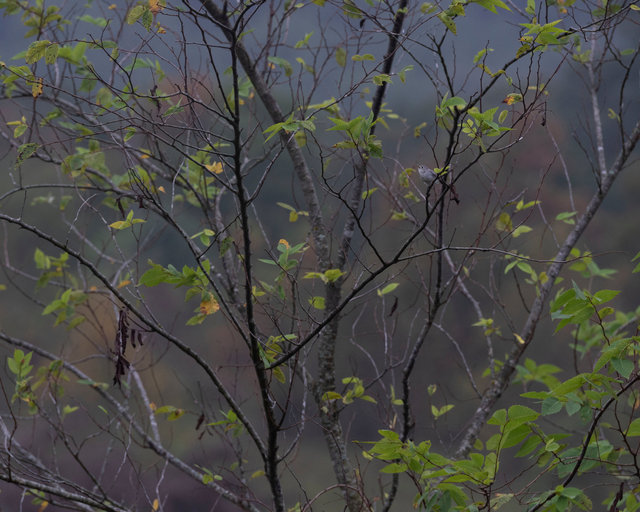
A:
<point x="215" y="167"/>
<point x="210" y="306"/>
<point x="154" y="6"/>
<point x="36" y="88"/>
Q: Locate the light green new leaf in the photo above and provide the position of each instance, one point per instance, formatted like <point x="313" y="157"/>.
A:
<point x="521" y="230"/>
<point x="388" y="289"/>
<point x="492" y="4"/>
<point x="317" y="302"/>
<point x="128" y="222"/>
<point x="381" y="79"/>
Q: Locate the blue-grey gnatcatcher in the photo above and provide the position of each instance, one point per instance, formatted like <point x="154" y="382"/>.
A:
<point x="429" y="176"/>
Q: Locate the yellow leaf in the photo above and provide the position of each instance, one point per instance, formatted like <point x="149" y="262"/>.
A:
<point x="519" y="338"/>
<point x="512" y="98"/>
<point x="284" y="242"/>
<point x="210" y="306"/>
<point x="124" y="283"/>
<point x="43" y="505"/>
<point x="161" y="30"/>
<point x="152" y="406"/>
<point x="16" y="123"/>
<point x="36" y="88"/>
<point x="214" y="168"/>
<point x="155" y="505"/>
<point x="143" y="156"/>
<point x="161" y="189"/>
<point x="112" y="7"/>
<point x="154" y="6"/>
<point x="279" y="375"/>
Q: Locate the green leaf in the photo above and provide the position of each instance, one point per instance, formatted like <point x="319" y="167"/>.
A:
<point x="521" y="414"/>
<point x="341" y="56"/>
<point x="174" y="109"/>
<point x="521" y="230"/>
<point x="154" y="276"/>
<point x="504" y="222"/>
<point x="99" y="22"/>
<point x="603" y="296"/>
<point x="394" y="467"/>
<point x="398" y="215"/>
<point x="128" y="222"/>
<point x="36" y="51"/>
<point x="623" y="366"/>
<point x="51" y="53"/>
<point x="332" y="395"/>
<point x="551" y="406"/>
<point x="492" y="4"/>
<point x="135" y="14"/>
<point x="359" y="58"/>
<point x="381" y="79"/>
<point x="634" y="428"/>
<point x="498" y="418"/>
<point x="528" y="446"/>
<point x="333" y="274"/>
<point x="305" y="41"/>
<point x="427" y="8"/>
<point x="283" y="63"/>
<point x="531" y="7"/>
<point x="570" y="385"/>
<point x="448" y="22"/>
<point x="67" y="409"/>
<point x="545" y="34"/>
<point x="402" y="74"/>
<point x="614" y="350"/>
<point x="317" y="302"/>
<point x="25" y="151"/>
<point x="368" y="192"/>
<point x="388" y="289"/>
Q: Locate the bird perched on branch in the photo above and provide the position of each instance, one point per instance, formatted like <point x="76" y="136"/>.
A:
<point x="429" y="176"/>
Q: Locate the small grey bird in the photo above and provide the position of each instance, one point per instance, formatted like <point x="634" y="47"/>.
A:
<point x="429" y="176"/>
